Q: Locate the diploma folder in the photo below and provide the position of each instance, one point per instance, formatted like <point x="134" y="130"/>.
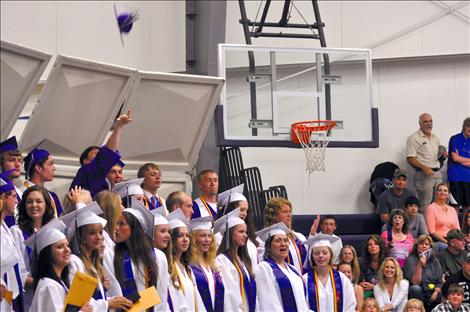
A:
<point x="148" y="298"/>
<point x="80" y="292"/>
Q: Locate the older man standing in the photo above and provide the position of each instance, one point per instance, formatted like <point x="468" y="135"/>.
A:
<point x="423" y="155"/>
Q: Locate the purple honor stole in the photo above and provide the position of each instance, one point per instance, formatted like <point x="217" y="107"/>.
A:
<point x="301" y="252"/>
<point x="17" y="303"/>
<point x="285" y="287"/>
<point x="249" y="284"/>
<point x="170" y="302"/>
<point x="98" y="294"/>
<point x="203" y="288"/>
<point x="312" y="282"/>
<point x="58" y="206"/>
<point x="129" y="285"/>
<point x="29" y="251"/>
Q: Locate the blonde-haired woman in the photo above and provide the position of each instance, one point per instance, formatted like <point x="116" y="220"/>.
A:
<point x="414" y="305"/>
<point x="348" y="255"/>
<point x="391" y="291"/>
<point x="279" y="209"/>
<point x="206" y="275"/>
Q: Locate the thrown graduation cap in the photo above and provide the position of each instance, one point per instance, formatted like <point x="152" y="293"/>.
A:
<point x="143" y="215"/>
<point x="177" y="219"/>
<point x="159" y="216"/>
<point x="129" y="187"/>
<point x="49" y="234"/>
<point x="321" y="239"/>
<point x="83" y="216"/>
<point x="275" y="229"/>
<point x="202" y="223"/>
<point x="9" y="145"/>
<point x="125" y="22"/>
<point x="35" y="156"/>
<point x="5" y="183"/>
<point x="234" y="194"/>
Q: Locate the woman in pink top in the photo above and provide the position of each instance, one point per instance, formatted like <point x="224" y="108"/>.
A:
<point x="439" y="216"/>
<point x="398" y="240"/>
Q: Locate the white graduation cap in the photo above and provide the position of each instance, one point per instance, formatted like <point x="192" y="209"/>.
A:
<point x="228" y="221"/>
<point x="129" y="187"/>
<point x="159" y="216"/>
<point x="49" y="234"/>
<point x="83" y="216"/>
<point x="232" y="195"/>
<point x="275" y="229"/>
<point x="177" y="219"/>
<point x="321" y="239"/>
<point x="203" y="223"/>
<point x="142" y="214"/>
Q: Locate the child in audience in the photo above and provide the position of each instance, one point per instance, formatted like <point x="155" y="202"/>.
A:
<point x="414" y="305"/>
<point x="370" y="305"/>
<point x="346" y="269"/>
<point x="397" y="239"/>
<point x="416" y="222"/>
<point x="328" y="227"/>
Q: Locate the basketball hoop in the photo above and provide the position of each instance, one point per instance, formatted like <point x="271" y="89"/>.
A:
<point x="314" y="137"/>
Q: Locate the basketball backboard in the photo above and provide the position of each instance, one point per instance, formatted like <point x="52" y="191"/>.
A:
<point x="269" y="88"/>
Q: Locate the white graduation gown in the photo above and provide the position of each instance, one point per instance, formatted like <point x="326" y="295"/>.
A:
<point x="49" y="296"/>
<point x="232" y="296"/>
<point x="326" y="298"/>
<point x="269" y="295"/>
<point x="163" y="279"/>
<point x="211" y="283"/>
<point x="183" y="298"/>
<point x="7" y="242"/>
<point x="252" y="250"/>
<point x="76" y="265"/>
<point x="203" y="209"/>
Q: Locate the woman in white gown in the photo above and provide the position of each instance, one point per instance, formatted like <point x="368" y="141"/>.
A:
<point x="182" y="292"/>
<point x="235" y="263"/>
<point x="280" y="286"/>
<point x="231" y="200"/>
<point x="206" y="274"/>
<point x="51" y="279"/>
<point x="327" y="289"/>
<point x="137" y="265"/>
<point x="85" y="234"/>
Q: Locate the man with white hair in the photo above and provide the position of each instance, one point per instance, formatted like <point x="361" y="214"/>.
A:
<point x="422" y="153"/>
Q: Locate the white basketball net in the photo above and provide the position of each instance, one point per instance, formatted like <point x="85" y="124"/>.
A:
<point x="314" y="145"/>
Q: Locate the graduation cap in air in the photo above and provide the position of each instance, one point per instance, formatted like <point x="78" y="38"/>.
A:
<point x="9" y="145"/>
<point x="229" y="196"/>
<point x="83" y="216"/>
<point x="5" y="183"/>
<point x="34" y="157"/>
<point x="49" y="234"/>
<point x="143" y="215"/>
<point x="228" y="221"/>
<point x="321" y="239"/>
<point x="177" y="219"/>
<point x="159" y="216"/>
<point x="202" y="223"/>
<point x="125" y="21"/>
<point x="275" y="229"/>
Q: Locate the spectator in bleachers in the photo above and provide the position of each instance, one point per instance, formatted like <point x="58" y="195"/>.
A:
<point x="454" y="255"/>
<point x="397" y="239"/>
<point x="372" y="256"/>
<point x="417" y="224"/>
<point x="440" y="217"/>
<point x="461" y="278"/>
<point x="370" y="305"/>
<point x="424" y="271"/>
<point x="454" y="301"/>
<point x="328" y="227"/>
<point x="466" y="228"/>
<point x="414" y="305"/>
<point x="346" y="269"/>
<point x="391" y="292"/>
<point x="458" y="166"/>
<point x="423" y="154"/>
<point x="395" y="197"/>
<point x="348" y="255"/>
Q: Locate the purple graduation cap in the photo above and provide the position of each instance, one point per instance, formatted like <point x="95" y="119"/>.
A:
<point x="9" y="145"/>
<point x="125" y="21"/>
<point x="34" y="157"/>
